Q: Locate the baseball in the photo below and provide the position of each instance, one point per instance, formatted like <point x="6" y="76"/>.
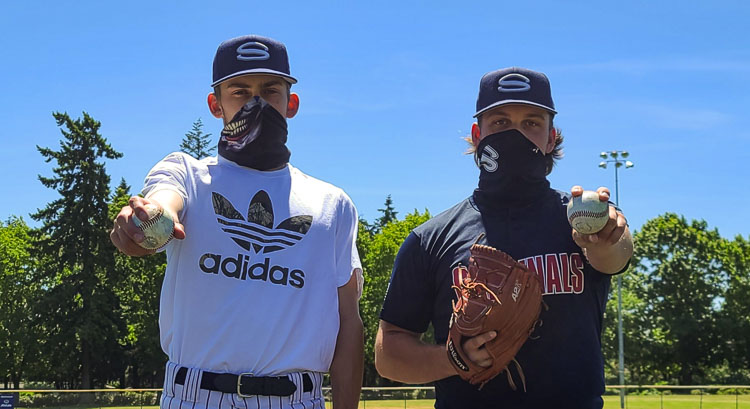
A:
<point x="157" y="230"/>
<point x="587" y="214"/>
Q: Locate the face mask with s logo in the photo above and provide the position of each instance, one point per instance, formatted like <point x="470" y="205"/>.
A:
<point x="509" y="165"/>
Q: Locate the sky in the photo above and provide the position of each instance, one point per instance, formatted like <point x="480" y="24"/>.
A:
<point x="388" y="90"/>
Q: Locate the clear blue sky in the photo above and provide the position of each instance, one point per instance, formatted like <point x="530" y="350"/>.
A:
<point x="388" y="89"/>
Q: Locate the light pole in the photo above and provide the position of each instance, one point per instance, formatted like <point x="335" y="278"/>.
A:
<point x="614" y="157"/>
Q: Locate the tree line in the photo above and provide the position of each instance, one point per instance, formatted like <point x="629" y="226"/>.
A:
<point x="75" y="313"/>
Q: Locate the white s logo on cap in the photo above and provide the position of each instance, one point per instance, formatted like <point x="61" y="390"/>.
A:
<point x="252" y="51"/>
<point x="513" y="83"/>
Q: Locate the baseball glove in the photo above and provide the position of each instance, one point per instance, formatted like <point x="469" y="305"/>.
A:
<point x="499" y="295"/>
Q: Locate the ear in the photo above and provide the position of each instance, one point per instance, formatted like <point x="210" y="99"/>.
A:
<point x="551" y="140"/>
<point x="293" y="106"/>
<point x="475" y="134"/>
<point x="214" y="107"/>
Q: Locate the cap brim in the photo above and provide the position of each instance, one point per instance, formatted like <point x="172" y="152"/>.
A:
<point x="264" y="71"/>
<point x="514" y="102"/>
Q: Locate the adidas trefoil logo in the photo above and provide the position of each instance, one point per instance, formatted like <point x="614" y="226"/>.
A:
<point x="257" y="230"/>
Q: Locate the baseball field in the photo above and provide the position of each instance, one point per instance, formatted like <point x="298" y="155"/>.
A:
<point x="610" y="402"/>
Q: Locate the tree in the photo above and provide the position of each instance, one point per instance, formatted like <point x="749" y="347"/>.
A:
<point x="389" y="214"/>
<point x="196" y="143"/>
<point x="378" y="263"/>
<point x="19" y="335"/>
<point x="685" y="280"/>
<point x="138" y="292"/>
<point x="82" y="312"/>
<point x="735" y="314"/>
<point x="643" y="333"/>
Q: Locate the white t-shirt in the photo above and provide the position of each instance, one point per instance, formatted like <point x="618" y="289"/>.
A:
<point x="253" y="287"/>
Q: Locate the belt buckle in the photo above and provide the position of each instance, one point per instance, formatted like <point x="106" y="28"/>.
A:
<point x="239" y="384"/>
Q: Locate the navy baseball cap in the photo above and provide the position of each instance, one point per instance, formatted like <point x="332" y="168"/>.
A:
<point x="251" y="54"/>
<point x="514" y="85"/>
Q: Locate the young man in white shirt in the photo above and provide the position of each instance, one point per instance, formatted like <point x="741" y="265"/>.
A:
<point x="260" y="295"/>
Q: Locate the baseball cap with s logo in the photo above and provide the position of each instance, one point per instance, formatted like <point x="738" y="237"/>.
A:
<point x="251" y="54"/>
<point x="514" y="85"/>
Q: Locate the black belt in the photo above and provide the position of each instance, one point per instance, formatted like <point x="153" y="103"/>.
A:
<point x="247" y="385"/>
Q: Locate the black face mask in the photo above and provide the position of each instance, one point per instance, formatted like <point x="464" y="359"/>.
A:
<point x="512" y="168"/>
<point x="256" y="137"/>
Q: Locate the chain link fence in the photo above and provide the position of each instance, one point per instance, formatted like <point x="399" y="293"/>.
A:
<point x="636" y="397"/>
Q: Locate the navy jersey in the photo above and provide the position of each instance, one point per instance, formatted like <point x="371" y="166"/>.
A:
<point x="563" y="362"/>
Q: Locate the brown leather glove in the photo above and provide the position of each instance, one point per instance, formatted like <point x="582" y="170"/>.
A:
<point x="499" y="295"/>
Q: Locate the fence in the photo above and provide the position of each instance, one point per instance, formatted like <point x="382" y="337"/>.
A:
<point x="637" y="397"/>
<point x="679" y="396"/>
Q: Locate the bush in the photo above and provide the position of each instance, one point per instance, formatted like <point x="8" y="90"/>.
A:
<point x="53" y="399"/>
<point x="49" y="400"/>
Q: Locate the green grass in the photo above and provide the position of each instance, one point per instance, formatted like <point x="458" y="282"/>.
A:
<point x="610" y="402"/>
<point x="679" y="402"/>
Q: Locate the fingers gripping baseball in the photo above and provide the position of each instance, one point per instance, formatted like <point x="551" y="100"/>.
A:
<point x="474" y="348"/>
<point x="614" y="229"/>
<point x="613" y="226"/>
<point x="603" y="192"/>
<point x="127" y="236"/>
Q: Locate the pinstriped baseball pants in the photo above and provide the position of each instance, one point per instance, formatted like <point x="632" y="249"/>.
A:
<point x="190" y="396"/>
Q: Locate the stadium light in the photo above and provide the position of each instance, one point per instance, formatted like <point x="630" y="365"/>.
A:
<point x="613" y="158"/>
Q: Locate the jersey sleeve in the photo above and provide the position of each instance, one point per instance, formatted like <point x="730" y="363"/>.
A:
<point x="169" y="173"/>
<point x="408" y="299"/>
<point x="347" y="256"/>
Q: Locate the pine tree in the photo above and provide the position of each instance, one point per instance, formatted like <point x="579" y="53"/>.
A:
<point x="138" y="292"/>
<point x="82" y="312"/>
<point x="196" y="143"/>
<point x="389" y="214"/>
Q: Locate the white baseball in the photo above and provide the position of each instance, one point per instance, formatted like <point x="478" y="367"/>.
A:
<point x="157" y="229"/>
<point x="587" y="214"/>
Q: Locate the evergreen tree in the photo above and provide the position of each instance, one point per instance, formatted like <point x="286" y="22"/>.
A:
<point x="389" y="214"/>
<point x="196" y="143"/>
<point x="82" y="313"/>
<point x="138" y="292"/>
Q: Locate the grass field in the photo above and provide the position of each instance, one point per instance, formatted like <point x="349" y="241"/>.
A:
<point x="679" y="402"/>
<point x="610" y="402"/>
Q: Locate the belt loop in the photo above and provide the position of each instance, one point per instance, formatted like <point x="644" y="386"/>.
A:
<point x="170" y="373"/>
<point x="319" y="385"/>
<point x="295" y="398"/>
<point x="191" y="388"/>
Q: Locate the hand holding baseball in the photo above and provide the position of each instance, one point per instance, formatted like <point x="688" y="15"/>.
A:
<point x="128" y="237"/>
<point x="613" y="229"/>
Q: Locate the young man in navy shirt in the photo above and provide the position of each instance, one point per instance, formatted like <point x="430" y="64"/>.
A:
<point x="515" y="146"/>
